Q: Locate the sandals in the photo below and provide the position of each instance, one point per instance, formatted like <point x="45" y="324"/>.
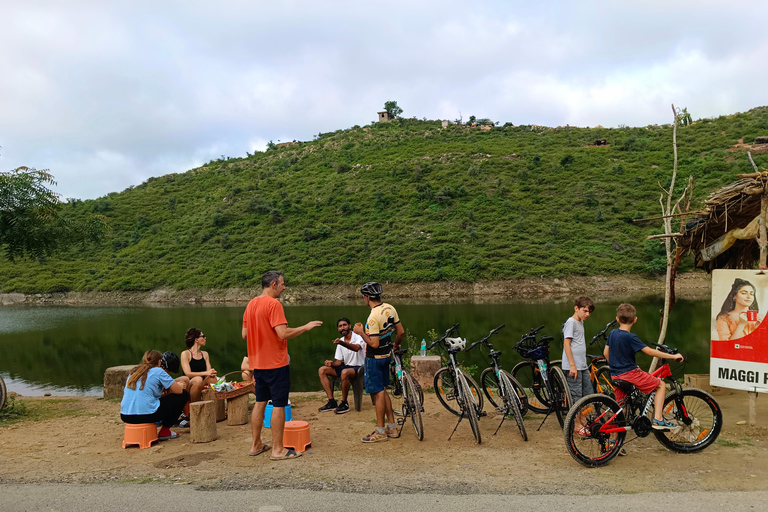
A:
<point x="662" y="424"/>
<point x="292" y="454"/>
<point x="173" y="435"/>
<point x="583" y="432"/>
<point x="264" y="448"/>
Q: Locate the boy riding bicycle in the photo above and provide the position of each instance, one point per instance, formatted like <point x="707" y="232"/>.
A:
<point x="621" y="358"/>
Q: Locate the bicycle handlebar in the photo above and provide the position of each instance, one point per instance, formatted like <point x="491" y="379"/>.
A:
<point x="665" y="348"/>
<point x="485" y="340"/>
<point x="601" y="334"/>
<point x="440" y="340"/>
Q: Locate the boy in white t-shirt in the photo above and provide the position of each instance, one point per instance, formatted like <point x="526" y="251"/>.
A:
<point x="575" y="354"/>
<point x="350" y="356"/>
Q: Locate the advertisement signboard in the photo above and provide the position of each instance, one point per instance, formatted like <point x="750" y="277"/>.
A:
<point x="739" y="349"/>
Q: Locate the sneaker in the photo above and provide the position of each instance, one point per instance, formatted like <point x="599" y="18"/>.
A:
<point x="343" y="407"/>
<point x="375" y="437"/>
<point x="663" y="424"/>
<point x="330" y="405"/>
<point x="393" y="433"/>
<point x="184" y="423"/>
<point x="622" y="452"/>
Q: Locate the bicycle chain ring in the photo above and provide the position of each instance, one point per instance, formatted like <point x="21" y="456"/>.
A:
<point x="642" y="426"/>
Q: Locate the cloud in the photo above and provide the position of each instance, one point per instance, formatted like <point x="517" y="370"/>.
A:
<point x="106" y="95"/>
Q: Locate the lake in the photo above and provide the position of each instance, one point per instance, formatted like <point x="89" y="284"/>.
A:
<point x="64" y="350"/>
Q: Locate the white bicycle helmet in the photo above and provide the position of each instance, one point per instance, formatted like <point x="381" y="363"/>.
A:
<point x="456" y="343"/>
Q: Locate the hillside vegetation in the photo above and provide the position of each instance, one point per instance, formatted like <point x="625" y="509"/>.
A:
<point x="402" y="201"/>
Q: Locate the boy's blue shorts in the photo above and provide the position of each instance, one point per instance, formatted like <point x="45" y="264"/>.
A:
<point x="376" y="374"/>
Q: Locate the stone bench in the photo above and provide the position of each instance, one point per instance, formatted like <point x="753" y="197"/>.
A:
<point x="423" y="369"/>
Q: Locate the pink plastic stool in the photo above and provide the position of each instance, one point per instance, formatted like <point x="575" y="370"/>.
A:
<point x="142" y="434"/>
<point x="296" y="435"/>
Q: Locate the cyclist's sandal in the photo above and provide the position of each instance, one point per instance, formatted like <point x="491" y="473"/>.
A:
<point x="375" y="437"/>
<point x="582" y="432"/>
<point x="663" y="424"/>
<point x="394" y="433"/>
<point x="622" y="452"/>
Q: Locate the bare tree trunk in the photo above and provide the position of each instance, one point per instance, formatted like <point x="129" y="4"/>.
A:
<point x="668" y="244"/>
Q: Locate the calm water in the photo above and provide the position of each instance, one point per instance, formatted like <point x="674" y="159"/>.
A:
<point x="65" y="349"/>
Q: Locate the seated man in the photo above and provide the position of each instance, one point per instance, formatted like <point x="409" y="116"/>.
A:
<point x="350" y="355"/>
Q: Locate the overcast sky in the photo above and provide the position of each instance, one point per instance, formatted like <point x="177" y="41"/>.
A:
<point x="107" y="94"/>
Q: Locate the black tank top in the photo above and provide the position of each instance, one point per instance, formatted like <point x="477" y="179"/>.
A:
<point x="197" y="365"/>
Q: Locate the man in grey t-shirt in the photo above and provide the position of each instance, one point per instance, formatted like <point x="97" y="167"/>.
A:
<point x="575" y="353"/>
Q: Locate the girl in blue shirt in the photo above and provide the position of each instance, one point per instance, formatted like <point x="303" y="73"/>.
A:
<point x="152" y="395"/>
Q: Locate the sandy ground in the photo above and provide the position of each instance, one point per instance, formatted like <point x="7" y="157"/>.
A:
<point x="87" y="448"/>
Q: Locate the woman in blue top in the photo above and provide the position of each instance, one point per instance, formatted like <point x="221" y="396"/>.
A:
<point x="152" y="395"/>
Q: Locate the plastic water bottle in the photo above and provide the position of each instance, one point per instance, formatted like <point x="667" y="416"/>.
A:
<point x="423" y="347"/>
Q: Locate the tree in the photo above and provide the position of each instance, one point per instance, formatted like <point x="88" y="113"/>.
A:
<point x="393" y="111"/>
<point x="682" y="117"/>
<point x="30" y="220"/>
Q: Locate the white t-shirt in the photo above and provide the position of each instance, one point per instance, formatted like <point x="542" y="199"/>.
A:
<point x="575" y="330"/>
<point x="350" y="357"/>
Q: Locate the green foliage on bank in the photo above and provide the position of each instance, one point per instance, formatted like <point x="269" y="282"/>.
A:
<point x="402" y="201"/>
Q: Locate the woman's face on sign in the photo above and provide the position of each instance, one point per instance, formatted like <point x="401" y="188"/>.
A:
<point x="745" y="296"/>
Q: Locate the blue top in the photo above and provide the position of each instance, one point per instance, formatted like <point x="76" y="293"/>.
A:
<point x="147" y="400"/>
<point x="622" y="346"/>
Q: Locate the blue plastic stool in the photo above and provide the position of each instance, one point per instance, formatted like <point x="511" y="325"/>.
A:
<point x="268" y="413"/>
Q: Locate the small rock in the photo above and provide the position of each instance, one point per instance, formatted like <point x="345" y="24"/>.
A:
<point x="742" y="422"/>
<point x="47" y="394"/>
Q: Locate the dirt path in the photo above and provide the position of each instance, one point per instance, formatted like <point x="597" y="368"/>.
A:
<point x="87" y="448"/>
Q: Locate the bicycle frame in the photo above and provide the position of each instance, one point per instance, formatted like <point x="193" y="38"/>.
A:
<point x="662" y="373"/>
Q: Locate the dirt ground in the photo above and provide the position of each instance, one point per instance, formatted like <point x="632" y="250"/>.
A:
<point x="87" y="448"/>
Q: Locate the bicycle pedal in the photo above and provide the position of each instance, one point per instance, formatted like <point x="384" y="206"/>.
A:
<point x="481" y="414"/>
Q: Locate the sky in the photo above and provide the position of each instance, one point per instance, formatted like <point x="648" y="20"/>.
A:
<point x="108" y="94"/>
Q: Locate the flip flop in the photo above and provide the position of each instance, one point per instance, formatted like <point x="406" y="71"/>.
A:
<point x="292" y="454"/>
<point x="264" y="447"/>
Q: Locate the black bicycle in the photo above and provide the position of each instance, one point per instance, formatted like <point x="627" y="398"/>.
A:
<point x="3" y="393"/>
<point x="460" y="392"/>
<point x="501" y="388"/>
<point x="545" y="386"/>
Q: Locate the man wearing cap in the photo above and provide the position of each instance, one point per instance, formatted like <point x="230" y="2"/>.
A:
<point x="383" y="332"/>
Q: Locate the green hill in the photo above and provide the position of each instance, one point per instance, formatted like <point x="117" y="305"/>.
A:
<point x="402" y="201"/>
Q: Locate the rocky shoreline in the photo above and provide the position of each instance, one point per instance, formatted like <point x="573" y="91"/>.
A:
<point x="693" y="285"/>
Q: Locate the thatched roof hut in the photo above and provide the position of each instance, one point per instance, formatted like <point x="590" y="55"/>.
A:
<point x="724" y="234"/>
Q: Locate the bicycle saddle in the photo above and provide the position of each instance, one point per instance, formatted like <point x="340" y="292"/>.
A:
<point x="623" y="385"/>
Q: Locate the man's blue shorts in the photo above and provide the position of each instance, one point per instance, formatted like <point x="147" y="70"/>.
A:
<point x="376" y="374"/>
<point x="273" y="385"/>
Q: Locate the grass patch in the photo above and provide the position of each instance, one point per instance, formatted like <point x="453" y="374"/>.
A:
<point x="20" y="410"/>
<point x="138" y="480"/>
<point x="727" y="442"/>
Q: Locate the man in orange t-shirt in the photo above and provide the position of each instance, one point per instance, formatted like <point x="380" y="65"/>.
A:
<point x="267" y="332"/>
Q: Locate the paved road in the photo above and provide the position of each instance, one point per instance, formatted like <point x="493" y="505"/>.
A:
<point x="168" y="498"/>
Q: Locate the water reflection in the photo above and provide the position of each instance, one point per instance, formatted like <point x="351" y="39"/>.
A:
<point x="65" y="349"/>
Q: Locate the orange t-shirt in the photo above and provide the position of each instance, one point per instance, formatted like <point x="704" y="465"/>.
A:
<point x="266" y="350"/>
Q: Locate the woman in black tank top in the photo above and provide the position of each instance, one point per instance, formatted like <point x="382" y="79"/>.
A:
<point x="196" y="365"/>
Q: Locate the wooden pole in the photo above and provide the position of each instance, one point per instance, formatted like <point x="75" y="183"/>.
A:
<point x="763" y="240"/>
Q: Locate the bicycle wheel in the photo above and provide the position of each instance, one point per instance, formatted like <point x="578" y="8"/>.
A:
<point x="412" y="404"/>
<point x="446" y="391"/>
<point x="561" y="393"/>
<point x="604" y="384"/>
<point x="698" y="418"/>
<point x="519" y="391"/>
<point x="529" y="377"/>
<point x="490" y="385"/>
<point x="512" y="403"/>
<point x="468" y="407"/>
<point x="3" y="393"/>
<point x="598" y="448"/>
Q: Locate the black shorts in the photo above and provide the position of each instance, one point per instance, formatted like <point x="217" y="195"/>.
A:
<point x="343" y="367"/>
<point x="274" y="384"/>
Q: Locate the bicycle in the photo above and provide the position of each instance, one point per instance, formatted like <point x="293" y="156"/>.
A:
<point x="445" y="389"/>
<point x="697" y="415"/>
<point x="406" y="395"/>
<point x="545" y="386"/>
<point x="499" y="384"/>
<point x="461" y="389"/>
